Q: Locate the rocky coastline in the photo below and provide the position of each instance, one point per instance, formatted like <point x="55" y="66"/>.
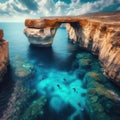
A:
<point x="4" y="56"/>
<point x="97" y="32"/>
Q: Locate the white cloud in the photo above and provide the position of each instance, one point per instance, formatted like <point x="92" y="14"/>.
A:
<point x="14" y="9"/>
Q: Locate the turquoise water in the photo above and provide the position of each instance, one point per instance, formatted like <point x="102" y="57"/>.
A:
<point x="52" y="83"/>
<point x="53" y="64"/>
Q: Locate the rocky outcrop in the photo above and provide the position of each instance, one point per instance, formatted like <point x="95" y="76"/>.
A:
<point x="98" y="33"/>
<point x="101" y="37"/>
<point x="40" y="37"/>
<point x="3" y="55"/>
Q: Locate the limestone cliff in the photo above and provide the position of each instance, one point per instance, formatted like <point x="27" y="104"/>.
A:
<point x="98" y="33"/>
<point x="40" y="37"/>
<point x="3" y="55"/>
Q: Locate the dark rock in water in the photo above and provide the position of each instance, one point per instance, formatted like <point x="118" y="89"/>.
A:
<point x="77" y="117"/>
<point x="75" y="65"/>
<point x="111" y="107"/>
<point x="84" y="63"/>
<point x="95" y="66"/>
<point x="35" y="110"/>
<point x="54" y="115"/>
<point x="17" y="102"/>
<point x="84" y="60"/>
<point x="100" y="100"/>
<point x="92" y="77"/>
<point x="85" y="115"/>
<point x="80" y="73"/>
<point x="84" y="55"/>
<point x="22" y="69"/>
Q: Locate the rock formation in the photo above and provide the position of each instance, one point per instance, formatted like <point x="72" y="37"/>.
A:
<point x="97" y="32"/>
<point x="40" y="37"/>
<point x="3" y="55"/>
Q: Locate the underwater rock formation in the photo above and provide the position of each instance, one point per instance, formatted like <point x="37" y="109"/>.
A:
<point x="22" y="68"/>
<point x="101" y="37"/>
<point x="4" y="58"/>
<point x="18" y="101"/>
<point x="35" y="110"/>
<point x="97" y="32"/>
<point x="101" y="97"/>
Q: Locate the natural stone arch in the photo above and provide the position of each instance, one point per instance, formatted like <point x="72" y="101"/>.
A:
<point x="44" y="35"/>
<point x="98" y="33"/>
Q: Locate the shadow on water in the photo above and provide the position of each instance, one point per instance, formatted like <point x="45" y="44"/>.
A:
<point x="42" y="56"/>
<point x="49" y="58"/>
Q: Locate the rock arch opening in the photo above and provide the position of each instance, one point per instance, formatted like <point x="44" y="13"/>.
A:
<point x="44" y="36"/>
<point x="90" y="35"/>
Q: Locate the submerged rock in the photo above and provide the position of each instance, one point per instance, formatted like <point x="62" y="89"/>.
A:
<point x="80" y="73"/>
<point x="17" y="102"/>
<point x="35" y="110"/>
<point x="84" y="56"/>
<point x="85" y="63"/>
<point x="98" y="97"/>
<point x="92" y="77"/>
<point x="22" y="69"/>
<point x="84" y="59"/>
<point x="101" y="37"/>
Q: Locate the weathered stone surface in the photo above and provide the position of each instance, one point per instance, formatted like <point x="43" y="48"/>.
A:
<point x="40" y="37"/>
<point x="101" y="37"/>
<point x="97" y="32"/>
<point x="1" y="34"/>
<point x="3" y="55"/>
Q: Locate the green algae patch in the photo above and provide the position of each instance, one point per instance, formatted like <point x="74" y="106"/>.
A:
<point x="84" y="62"/>
<point x="22" y="68"/>
<point x="98" y="95"/>
<point x="84" y="55"/>
<point x="35" y="110"/>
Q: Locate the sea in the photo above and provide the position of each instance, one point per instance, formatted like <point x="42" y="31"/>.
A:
<point x="46" y="83"/>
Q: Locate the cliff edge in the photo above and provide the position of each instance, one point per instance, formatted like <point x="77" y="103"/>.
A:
<point x="97" y="32"/>
<point x="3" y="55"/>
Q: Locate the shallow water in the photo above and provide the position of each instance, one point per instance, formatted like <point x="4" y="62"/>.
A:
<point x="50" y="73"/>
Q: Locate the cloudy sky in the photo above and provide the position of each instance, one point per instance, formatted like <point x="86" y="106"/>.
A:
<point x="18" y="10"/>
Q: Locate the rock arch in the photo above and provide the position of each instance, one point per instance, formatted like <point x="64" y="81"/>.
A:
<point x="97" y="32"/>
<point x="42" y="34"/>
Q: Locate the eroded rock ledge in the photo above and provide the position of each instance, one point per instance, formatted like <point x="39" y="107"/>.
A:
<point x="98" y="32"/>
<point x="3" y="55"/>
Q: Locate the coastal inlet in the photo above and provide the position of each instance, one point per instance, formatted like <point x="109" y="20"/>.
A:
<point x="65" y="81"/>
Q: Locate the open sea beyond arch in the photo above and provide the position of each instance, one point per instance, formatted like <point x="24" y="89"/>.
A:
<point x="45" y="83"/>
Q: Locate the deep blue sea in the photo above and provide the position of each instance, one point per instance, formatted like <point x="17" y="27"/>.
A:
<point x="54" y="62"/>
<point x="50" y="72"/>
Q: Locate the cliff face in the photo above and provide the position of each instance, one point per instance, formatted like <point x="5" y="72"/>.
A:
<point x="99" y="33"/>
<point x="3" y="55"/>
<point x="101" y="36"/>
<point x="40" y="37"/>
